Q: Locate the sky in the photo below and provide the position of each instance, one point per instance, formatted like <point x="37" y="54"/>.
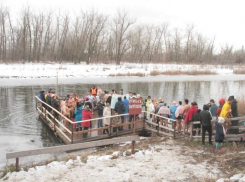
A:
<point x="222" y="19"/>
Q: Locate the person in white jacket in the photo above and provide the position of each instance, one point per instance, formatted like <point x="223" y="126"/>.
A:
<point x="151" y="109"/>
<point x="106" y="121"/>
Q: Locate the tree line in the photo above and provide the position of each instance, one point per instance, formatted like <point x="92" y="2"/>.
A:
<point x="98" y="38"/>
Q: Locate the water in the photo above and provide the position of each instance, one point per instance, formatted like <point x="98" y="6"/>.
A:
<point x="21" y="128"/>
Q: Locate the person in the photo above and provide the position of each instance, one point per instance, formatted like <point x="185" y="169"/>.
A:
<point x="64" y="111"/>
<point x="106" y="121"/>
<point x="106" y="96"/>
<point x="99" y="92"/>
<point x="205" y="118"/>
<point x="234" y="113"/>
<point x="55" y="104"/>
<point x="147" y="107"/>
<point x="186" y="108"/>
<point x="172" y="113"/>
<point x="155" y="102"/>
<point x="93" y="91"/>
<point x="100" y="108"/>
<point x="78" y="115"/>
<point x="179" y="116"/>
<point x="221" y="104"/>
<point x="121" y="91"/>
<point x="48" y="100"/>
<point x="151" y="109"/>
<point x="108" y="100"/>
<point x="213" y="110"/>
<point x="165" y="113"/>
<point x="189" y="115"/>
<point x="130" y="95"/>
<point x="86" y="115"/>
<point x="196" y="117"/>
<point x="219" y="134"/>
<point x="226" y="109"/>
<point x="126" y="103"/>
<point x="120" y="109"/>
<point x="41" y="96"/>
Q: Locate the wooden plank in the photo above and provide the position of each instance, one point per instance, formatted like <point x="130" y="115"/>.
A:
<point x="70" y="147"/>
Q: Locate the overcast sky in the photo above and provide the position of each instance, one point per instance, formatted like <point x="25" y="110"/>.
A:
<point x="223" y="19"/>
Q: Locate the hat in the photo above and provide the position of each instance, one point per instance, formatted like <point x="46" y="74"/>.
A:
<point x="221" y="120"/>
<point x="138" y="95"/>
<point x="174" y="102"/>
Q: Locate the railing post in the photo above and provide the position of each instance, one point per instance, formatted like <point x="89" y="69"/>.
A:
<point x="110" y="126"/>
<point x="158" y="128"/>
<point x="72" y="133"/>
<point x="17" y="164"/>
<point x="134" y="124"/>
<point x="132" y="150"/>
<point x="36" y="102"/>
<point x="45" y="113"/>
<point x="54" y="123"/>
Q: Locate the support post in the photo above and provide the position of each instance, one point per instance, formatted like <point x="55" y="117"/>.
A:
<point x="17" y="164"/>
<point x="134" y="123"/>
<point x="45" y="113"/>
<point x="143" y="121"/>
<point x="158" y="128"/>
<point x="132" y="150"/>
<point x="174" y="129"/>
<point x="36" y="103"/>
<point x="54" y="122"/>
<point x="110" y="126"/>
<point x="191" y="131"/>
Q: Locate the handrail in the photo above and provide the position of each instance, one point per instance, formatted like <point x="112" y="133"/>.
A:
<point x="174" y="120"/>
<point x="54" y="109"/>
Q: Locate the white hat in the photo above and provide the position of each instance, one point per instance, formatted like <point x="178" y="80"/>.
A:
<point x="174" y="102"/>
<point x="221" y="120"/>
<point x="138" y="95"/>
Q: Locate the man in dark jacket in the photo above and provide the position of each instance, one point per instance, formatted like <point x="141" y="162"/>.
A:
<point x="120" y="109"/>
<point x="234" y="113"/>
<point x="205" y="118"/>
<point x="55" y="104"/>
<point x="100" y="108"/>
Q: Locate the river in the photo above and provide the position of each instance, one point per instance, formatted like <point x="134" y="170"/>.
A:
<point x="21" y="128"/>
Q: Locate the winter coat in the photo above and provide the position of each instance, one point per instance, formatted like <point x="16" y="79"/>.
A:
<point x="120" y="107"/>
<point x="234" y="110"/>
<point x="225" y="110"/>
<point x="221" y="103"/>
<point x="196" y="117"/>
<point x="126" y="103"/>
<point x="100" y="109"/>
<point x="219" y="133"/>
<point x="86" y="114"/>
<point x="190" y="113"/>
<point x="55" y="104"/>
<point x="48" y="100"/>
<point x="147" y="104"/>
<point x="173" y="110"/>
<point x="213" y="110"/>
<point x="205" y="118"/>
<point x="108" y="100"/>
<point x="151" y="108"/>
<point x="78" y="113"/>
<point x="106" y="112"/>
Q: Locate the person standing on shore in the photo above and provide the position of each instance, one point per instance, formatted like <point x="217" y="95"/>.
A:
<point x="120" y="109"/>
<point x="221" y="104"/>
<point x="126" y="103"/>
<point x="220" y="132"/>
<point x="100" y="108"/>
<point x="78" y="115"/>
<point x="213" y="110"/>
<point x="172" y="113"/>
<point x="106" y="121"/>
<point x="205" y="118"/>
<point x="86" y="115"/>
<point x="189" y="116"/>
<point x="179" y="116"/>
<point x="185" y="111"/>
<point x="226" y="110"/>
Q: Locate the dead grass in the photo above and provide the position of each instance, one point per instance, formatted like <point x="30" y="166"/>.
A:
<point x="241" y="105"/>
<point x="239" y="71"/>
<point x="128" y="74"/>
<point x="179" y="72"/>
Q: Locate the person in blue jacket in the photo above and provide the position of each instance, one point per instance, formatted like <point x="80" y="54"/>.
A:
<point x="172" y="113"/>
<point x="78" y="115"/>
<point x="219" y="134"/>
<point x="126" y="103"/>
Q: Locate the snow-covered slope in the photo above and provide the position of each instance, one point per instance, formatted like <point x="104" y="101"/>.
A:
<point x="42" y="70"/>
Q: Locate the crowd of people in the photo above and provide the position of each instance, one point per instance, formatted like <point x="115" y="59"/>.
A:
<point x="179" y="114"/>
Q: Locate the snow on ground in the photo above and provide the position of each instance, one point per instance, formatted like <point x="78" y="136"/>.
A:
<point x="158" y="163"/>
<point x="43" y="70"/>
<point x="236" y="178"/>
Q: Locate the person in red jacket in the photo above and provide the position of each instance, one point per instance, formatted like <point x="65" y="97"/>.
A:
<point x="87" y="115"/>
<point x="221" y="103"/>
<point x="193" y="110"/>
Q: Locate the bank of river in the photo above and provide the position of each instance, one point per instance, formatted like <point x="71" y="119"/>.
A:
<point x="21" y="129"/>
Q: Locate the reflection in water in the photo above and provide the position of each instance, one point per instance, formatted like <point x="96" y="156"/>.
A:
<point x="19" y="121"/>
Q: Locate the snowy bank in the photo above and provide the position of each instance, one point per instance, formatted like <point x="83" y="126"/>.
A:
<point x="160" y="162"/>
<point x="67" y="70"/>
